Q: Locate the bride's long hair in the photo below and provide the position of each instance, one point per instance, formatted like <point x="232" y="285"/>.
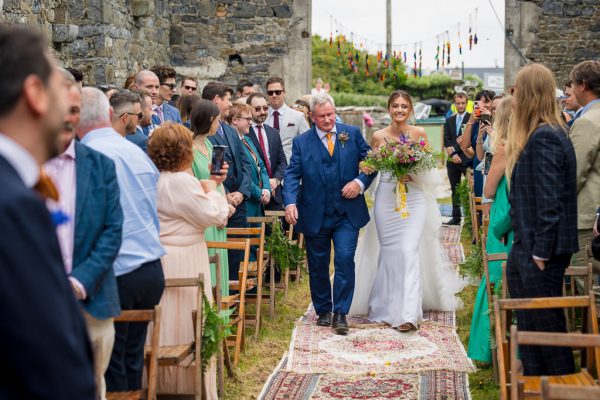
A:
<point x="534" y="104"/>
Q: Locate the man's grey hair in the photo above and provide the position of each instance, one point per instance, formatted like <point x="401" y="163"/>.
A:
<point x="140" y="76"/>
<point x="95" y="109"/>
<point x="123" y="101"/>
<point x="319" y="100"/>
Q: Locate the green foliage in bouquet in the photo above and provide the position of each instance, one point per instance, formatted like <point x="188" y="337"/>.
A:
<point x="401" y="158"/>
<point x="286" y="253"/>
<point x="216" y="328"/>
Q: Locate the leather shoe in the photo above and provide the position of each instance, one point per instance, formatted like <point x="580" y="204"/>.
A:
<point x="340" y="325"/>
<point x="324" y="319"/>
<point x="453" y="221"/>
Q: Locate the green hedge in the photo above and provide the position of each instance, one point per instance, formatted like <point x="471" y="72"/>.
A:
<point x="359" y="100"/>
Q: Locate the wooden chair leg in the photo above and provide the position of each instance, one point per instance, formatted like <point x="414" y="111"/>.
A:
<point x="258" y="301"/>
<point x="272" y="289"/>
<point x="227" y="358"/>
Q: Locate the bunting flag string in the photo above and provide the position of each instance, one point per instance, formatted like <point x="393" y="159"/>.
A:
<point x="349" y="46"/>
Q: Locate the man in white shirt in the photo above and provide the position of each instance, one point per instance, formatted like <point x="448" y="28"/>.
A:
<point x="290" y="123"/>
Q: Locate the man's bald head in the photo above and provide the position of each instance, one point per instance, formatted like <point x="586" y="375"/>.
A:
<point x="147" y="80"/>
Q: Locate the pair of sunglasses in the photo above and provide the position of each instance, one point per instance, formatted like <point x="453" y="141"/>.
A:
<point x="171" y="85"/>
<point x="274" y="92"/>
<point x="264" y="108"/>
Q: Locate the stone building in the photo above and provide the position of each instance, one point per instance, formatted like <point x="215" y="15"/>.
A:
<point x="226" y="40"/>
<point x="557" y="33"/>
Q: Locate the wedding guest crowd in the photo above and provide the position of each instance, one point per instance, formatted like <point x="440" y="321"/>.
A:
<point x="126" y="197"/>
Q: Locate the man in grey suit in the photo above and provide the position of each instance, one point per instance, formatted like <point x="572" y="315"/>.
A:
<point x="289" y="122"/>
<point x="585" y="136"/>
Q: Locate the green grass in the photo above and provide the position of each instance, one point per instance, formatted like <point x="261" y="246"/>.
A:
<point x="259" y="358"/>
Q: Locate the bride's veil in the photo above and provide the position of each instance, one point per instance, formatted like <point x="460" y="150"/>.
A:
<point x="439" y="278"/>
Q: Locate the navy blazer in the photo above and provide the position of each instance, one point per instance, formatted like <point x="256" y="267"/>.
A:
<point x="306" y="167"/>
<point x="543" y="194"/>
<point x="278" y="161"/>
<point x="44" y="344"/>
<point x="98" y="229"/>
<point x="450" y="135"/>
<point x="238" y="176"/>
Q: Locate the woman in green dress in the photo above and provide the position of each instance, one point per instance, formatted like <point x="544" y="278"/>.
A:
<point x="204" y="122"/>
<point x="499" y="236"/>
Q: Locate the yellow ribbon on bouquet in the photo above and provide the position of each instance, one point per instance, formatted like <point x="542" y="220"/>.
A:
<point x="401" y="205"/>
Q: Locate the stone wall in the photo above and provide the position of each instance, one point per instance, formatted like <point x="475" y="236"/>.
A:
<point x="211" y="39"/>
<point x="557" y="33"/>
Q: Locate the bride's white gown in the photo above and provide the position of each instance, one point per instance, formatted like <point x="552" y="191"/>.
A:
<point x="401" y="266"/>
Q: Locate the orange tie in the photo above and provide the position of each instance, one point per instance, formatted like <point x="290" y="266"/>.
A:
<point x="45" y="187"/>
<point x="330" y="144"/>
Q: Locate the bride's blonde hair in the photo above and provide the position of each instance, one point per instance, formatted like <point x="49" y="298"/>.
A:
<point x="534" y="104"/>
<point x="501" y="121"/>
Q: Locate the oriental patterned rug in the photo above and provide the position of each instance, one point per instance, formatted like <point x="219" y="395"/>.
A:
<point x="433" y="385"/>
<point x="379" y="350"/>
<point x="375" y="361"/>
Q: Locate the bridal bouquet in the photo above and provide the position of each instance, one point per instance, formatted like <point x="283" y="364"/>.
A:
<point x="401" y="158"/>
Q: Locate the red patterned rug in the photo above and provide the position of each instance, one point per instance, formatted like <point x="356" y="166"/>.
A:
<point x="454" y="252"/>
<point x="450" y="234"/>
<point x="316" y="349"/>
<point x="432" y="385"/>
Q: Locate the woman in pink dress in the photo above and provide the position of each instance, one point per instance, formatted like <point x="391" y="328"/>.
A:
<point x="186" y="207"/>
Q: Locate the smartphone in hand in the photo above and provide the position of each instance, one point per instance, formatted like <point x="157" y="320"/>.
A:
<point x="218" y="158"/>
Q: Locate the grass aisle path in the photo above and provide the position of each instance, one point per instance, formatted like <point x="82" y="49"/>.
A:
<point x="260" y="358"/>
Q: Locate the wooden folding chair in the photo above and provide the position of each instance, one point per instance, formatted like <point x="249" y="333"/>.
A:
<point x="559" y="391"/>
<point x="570" y="289"/>
<point x="238" y="300"/>
<point x="501" y="307"/>
<point x="152" y="356"/>
<point x="187" y="354"/>
<point x="254" y="280"/>
<point x="529" y="386"/>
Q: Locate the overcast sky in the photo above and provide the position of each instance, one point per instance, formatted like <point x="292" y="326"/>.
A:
<point x="420" y="20"/>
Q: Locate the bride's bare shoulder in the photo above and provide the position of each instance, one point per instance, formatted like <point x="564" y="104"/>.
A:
<point x="379" y="137"/>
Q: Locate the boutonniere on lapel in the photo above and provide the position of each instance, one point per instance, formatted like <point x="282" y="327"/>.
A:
<point x="59" y="217"/>
<point x="343" y="138"/>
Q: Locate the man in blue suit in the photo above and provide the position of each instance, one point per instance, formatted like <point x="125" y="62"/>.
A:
<point x="44" y="348"/>
<point x="91" y="237"/>
<point x="238" y="182"/>
<point x="163" y="110"/>
<point x="323" y="195"/>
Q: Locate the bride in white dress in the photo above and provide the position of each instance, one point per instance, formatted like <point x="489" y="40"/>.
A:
<point x="401" y="266"/>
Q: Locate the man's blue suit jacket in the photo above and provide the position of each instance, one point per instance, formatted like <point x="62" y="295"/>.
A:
<point x="43" y="340"/>
<point x="98" y="229"/>
<point x="306" y="167"/>
<point x="238" y="176"/>
<point x="170" y="113"/>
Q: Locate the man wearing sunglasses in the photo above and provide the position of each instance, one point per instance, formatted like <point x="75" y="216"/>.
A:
<point x="127" y="112"/>
<point x="163" y="110"/>
<point x="268" y="143"/>
<point x="290" y="123"/>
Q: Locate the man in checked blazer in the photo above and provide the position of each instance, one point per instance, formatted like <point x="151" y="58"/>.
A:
<point x="543" y="201"/>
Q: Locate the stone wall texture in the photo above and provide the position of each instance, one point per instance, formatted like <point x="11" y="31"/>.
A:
<point x="225" y="40"/>
<point x="557" y="33"/>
